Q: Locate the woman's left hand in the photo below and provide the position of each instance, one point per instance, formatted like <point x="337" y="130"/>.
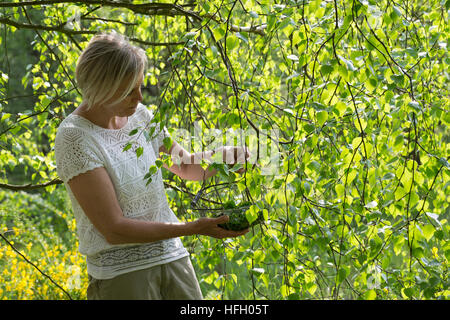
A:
<point x="210" y="227"/>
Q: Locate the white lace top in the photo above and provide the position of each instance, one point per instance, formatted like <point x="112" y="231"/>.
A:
<point x="81" y="146"/>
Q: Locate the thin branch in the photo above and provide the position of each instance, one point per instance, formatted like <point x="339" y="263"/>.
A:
<point x="252" y="29"/>
<point x="60" y="28"/>
<point x="70" y="32"/>
<point x="38" y="112"/>
<point x="145" y="8"/>
<point x="29" y="186"/>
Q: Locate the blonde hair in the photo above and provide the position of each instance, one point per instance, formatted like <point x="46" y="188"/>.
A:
<point x="108" y="61"/>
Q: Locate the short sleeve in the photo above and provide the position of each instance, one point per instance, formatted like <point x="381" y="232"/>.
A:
<point x="75" y="153"/>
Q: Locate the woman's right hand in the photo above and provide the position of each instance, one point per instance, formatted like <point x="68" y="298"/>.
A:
<point x="209" y="227"/>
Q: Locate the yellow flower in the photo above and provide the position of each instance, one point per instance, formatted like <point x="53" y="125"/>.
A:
<point x="435" y="252"/>
<point x="29" y="292"/>
<point x="16" y="231"/>
<point x="44" y="289"/>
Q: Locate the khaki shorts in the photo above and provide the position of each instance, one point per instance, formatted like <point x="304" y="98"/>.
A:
<point x="175" y="280"/>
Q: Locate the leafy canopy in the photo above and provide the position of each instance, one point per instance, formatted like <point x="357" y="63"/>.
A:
<point x="351" y="96"/>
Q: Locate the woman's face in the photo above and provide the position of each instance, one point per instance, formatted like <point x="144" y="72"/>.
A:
<point x="127" y="106"/>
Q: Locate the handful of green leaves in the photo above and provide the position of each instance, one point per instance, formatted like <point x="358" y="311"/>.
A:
<point x="238" y="219"/>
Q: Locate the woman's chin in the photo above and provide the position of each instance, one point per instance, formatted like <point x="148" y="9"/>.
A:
<point x="132" y="109"/>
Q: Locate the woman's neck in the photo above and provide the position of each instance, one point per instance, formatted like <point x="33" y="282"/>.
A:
<point x="101" y="117"/>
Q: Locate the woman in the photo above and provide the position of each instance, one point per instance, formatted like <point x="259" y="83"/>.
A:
<point x="126" y="228"/>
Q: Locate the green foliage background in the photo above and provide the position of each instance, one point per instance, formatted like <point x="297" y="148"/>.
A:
<point x="358" y="91"/>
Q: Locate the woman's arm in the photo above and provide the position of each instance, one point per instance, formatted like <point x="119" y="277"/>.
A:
<point x="95" y="193"/>
<point x="189" y="167"/>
